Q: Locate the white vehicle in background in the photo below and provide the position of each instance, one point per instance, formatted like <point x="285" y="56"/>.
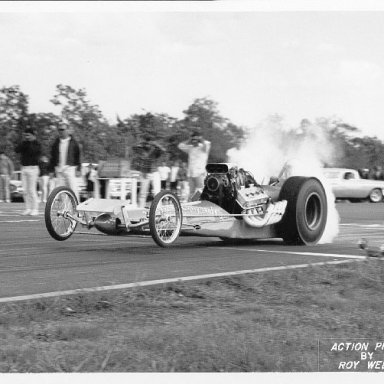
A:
<point x="16" y="186"/>
<point x="347" y="184"/>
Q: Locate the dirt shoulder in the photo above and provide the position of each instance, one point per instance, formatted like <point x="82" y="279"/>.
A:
<point x="269" y="322"/>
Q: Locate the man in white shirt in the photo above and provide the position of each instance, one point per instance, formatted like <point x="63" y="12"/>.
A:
<point x="198" y="152"/>
<point x="173" y="175"/>
<point x="164" y="171"/>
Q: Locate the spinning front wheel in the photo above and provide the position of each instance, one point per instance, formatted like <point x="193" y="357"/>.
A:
<point x="59" y="213"/>
<point x="165" y="218"/>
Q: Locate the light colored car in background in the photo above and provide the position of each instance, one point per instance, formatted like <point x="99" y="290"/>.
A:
<point x="347" y="184"/>
<point x="16" y="186"/>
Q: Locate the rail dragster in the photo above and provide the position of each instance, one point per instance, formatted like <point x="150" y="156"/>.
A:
<point x="232" y="205"/>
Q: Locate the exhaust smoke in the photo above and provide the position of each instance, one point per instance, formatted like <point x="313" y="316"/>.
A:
<point x="272" y="150"/>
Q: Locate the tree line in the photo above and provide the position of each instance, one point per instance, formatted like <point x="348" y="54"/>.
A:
<point x="101" y="139"/>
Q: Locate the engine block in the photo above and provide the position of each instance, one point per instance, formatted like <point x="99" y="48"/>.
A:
<point x="252" y="197"/>
<point x="233" y="189"/>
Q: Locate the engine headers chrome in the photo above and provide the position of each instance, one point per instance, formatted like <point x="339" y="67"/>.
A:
<point x="273" y="214"/>
<point x="251" y="197"/>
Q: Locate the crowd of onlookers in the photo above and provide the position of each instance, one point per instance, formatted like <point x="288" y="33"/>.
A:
<point x="156" y="174"/>
<point x="375" y="173"/>
<point x="62" y="166"/>
<point x="173" y="176"/>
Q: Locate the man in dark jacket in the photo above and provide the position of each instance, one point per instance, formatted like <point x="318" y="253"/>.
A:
<point x="65" y="159"/>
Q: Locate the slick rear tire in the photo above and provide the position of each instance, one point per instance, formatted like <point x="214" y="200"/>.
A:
<point x="306" y="215"/>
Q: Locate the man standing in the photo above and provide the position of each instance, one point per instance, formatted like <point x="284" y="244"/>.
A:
<point x="44" y="178"/>
<point x="164" y="172"/>
<point x="30" y="152"/>
<point x="146" y="157"/>
<point x="198" y="151"/>
<point x="6" y="170"/>
<point x="173" y="176"/>
<point x="65" y="159"/>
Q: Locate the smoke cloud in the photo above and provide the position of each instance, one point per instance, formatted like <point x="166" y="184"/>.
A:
<point x="272" y="150"/>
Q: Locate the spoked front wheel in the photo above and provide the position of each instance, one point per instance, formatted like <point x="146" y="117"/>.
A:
<point x="61" y="206"/>
<point x="165" y="218"/>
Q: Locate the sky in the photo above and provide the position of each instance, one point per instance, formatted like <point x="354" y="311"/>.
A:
<point x="253" y="63"/>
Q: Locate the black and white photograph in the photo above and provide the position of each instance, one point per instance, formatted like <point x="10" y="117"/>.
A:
<point x="191" y="187"/>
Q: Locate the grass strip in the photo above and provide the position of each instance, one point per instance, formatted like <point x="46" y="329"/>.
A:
<point x="265" y="322"/>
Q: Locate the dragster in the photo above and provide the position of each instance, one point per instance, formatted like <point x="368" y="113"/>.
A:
<point x="232" y="205"/>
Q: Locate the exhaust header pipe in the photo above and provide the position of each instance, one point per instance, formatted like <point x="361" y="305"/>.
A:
<point x="109" y="225"/>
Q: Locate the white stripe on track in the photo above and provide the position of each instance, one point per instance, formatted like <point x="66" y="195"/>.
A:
<point x="362" y="225"/>
<point x="17" y="221"/>
<point x="164" y="281"/>
<point x="295" y="253"/>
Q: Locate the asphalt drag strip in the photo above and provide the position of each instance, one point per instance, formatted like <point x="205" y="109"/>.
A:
<point x="33" y="265"/>
<point x="165" y="281"/>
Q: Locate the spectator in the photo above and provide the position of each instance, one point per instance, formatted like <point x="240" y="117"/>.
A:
<point x="164" y="172"/>
<point x="44" y="178"/>
<point x="371" y="173"/>
<point x="378" y="172"/>
<point x="65" y="159"/>
<point x="198" y="151"/>
<point x="100" y="182"/>
<point x="91" y="179"/>
<point x="30" y="152"/>
<point x="363" y="172"/>
<point x="146" y="156"/>
<point x="6" y="170"/>
<point x="182" y="180"/>
<point x="173" y="176"/>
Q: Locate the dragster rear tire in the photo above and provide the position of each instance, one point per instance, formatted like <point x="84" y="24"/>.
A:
<point x="61" y="199"/>
<point x="165" y="223"/>
<point x="305" y="217"/>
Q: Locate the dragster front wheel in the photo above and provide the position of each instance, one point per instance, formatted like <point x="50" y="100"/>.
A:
<point x="165" y="218"/>
<point x="61" y="206"/>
